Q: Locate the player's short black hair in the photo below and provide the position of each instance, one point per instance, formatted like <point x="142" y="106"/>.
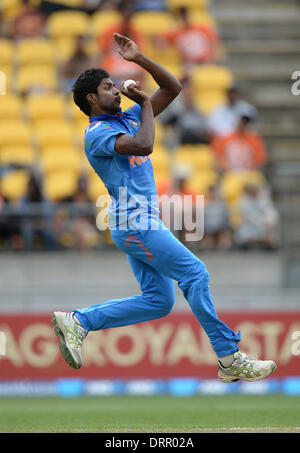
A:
<point x="87" y="83"/>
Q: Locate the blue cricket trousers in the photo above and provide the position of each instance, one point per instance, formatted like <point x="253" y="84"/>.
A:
<point x="157" y="258"/>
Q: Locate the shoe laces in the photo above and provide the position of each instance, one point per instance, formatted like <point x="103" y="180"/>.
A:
<point x="247" y="357"/>
<point x="76" y="335"/>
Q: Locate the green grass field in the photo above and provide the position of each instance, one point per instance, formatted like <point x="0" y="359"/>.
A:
<point x="165" y="414"/>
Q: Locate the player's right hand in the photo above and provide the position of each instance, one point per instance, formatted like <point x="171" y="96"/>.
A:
<point x="135" y="93"/>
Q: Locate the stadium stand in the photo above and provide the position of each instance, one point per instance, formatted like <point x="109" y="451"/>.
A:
<point x="44" y="129"/>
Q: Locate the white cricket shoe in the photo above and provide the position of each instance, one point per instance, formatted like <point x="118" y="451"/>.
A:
<point x="71" y="335"/>
<point x="246" y="367"/>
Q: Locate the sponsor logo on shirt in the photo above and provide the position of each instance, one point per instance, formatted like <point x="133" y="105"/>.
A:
<point x="137" y="160"/>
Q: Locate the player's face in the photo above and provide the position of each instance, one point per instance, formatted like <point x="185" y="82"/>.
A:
<point x="108" y="97"/>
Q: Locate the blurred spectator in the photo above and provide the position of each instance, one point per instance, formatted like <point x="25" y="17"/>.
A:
<point x="217" y="230"/>
<point x="118" y="68"/>
<point x="259" y="219"/>
<point x="92" y="6"/>
<point x="29" y="23"/>
<point x="2" y="27"/>
<point x="79" y="62"/>
<point x="196" y="43"/>
<point x="175" y="214"/>
<point x="36" y="217"/>
<point x="189" y="125"/>
<point x="10" y="234"/>
<point x="224" y="120"/>
<point x="79" y="231"/>
<point x="244" y="149"/>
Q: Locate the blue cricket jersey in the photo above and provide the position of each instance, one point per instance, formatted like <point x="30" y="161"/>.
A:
<point x="129" y="179"/>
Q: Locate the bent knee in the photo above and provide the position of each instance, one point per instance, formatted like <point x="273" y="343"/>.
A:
<point x="167" y="306"/>
<point x="164" y="302"/>
<point x="162" y="297"/>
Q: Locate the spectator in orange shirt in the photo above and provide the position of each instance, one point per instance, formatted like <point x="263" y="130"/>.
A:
<point x="241" y="150"/>
<point x="118" y="68"/>
<point x="196" y="43"/>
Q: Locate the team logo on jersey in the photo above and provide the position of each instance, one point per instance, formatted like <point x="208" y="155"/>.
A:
<point x="134" y="123"/>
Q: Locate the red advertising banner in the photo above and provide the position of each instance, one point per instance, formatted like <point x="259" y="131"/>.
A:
<point x="174" y="346"/>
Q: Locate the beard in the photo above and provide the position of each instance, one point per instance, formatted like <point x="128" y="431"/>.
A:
<point x="111" y="108"/>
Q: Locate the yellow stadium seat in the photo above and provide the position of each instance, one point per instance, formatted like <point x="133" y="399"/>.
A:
<point x="33" y="78"/>
<point x="10" y="107"/>
<point x="232" y="183"/>
<point x="126" y="102"/>
<point x="79" y="120"/>
<point x="78" y="131"/>
<point x="235" y="217"/>
<point x="68" y="23"/>
<point x="200" y="181"/>
<point x="23" y="155"/>
<point x="14" y="184"/>
<point x="254" y="177"/>
<point x="161" y="166"/>
<point x="176" y="69"/>
<point x="10" y="8"/>
<point x="64" y="47"/>
<point x="60" y="184"/>
<point x="169" y="56"/>
<point x="15" y="133"/>
<point x="69" y="3"/>
<point x="102" y="20"/>
<point x="161" y="174"/>
<point x="175" y="4"/>
<point x="35" y="51"/>
<point x="200" y="17"/>
<point x="57" y="161"/>
<point x="198" y="157"/>
<point x="5" y="79"/>
<point x="153" y="22"/>
<point x="232" y="187"/>
<point x="6" y="52"/>
<point x="41" y="107"/>
<point x="211" y="77"/>
<point x="160" y="159"/>
<point x="50" y="133"/>
<point x="207" y="101"/>
<point x="74" y="112"/>
<point x="58" y="149"/>
<point x="80" y="127"/>
<point x="96" y="187"/>
<point x="159" y="134"/>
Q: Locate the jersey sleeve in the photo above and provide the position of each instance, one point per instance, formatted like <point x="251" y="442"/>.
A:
<point x="135" y="110"/>
<point x="100" y="141"/>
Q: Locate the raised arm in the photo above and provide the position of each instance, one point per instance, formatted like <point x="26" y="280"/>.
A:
<point x="169" y="86"/>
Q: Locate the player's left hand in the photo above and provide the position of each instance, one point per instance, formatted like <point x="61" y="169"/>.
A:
<point x="127" y="48"/>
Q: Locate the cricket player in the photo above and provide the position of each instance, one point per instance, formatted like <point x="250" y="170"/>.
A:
<point x="118" y="145"/>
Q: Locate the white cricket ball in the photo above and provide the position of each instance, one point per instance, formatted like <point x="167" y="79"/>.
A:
<point x="127" y="83"/>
